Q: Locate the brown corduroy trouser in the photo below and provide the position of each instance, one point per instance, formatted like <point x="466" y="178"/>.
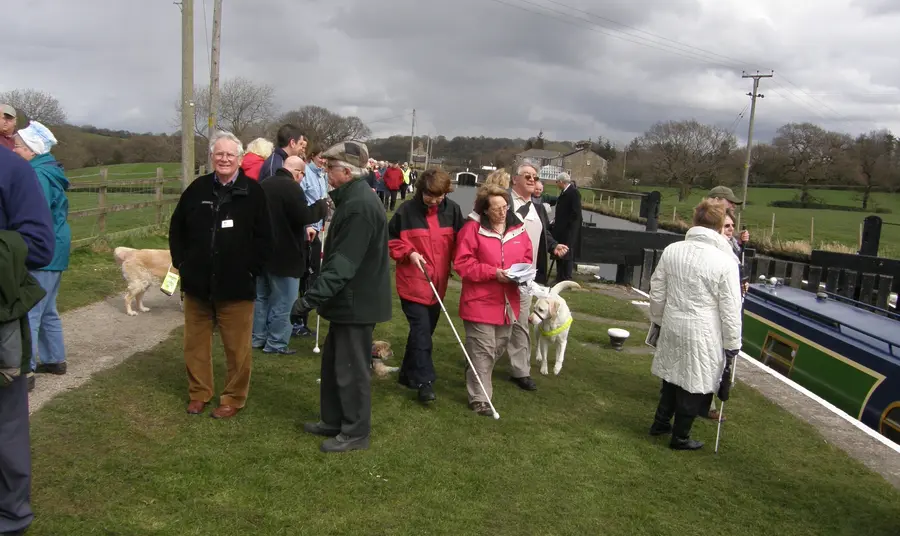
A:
<point x="235" y="321"/>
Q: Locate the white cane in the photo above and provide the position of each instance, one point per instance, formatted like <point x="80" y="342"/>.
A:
<point x="722" y="409"/>
<point x="461" y="345"/>
<point x="319" y="318"/>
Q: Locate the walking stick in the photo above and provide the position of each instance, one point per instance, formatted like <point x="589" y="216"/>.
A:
<point x="719" y="427"/>
<point x="319" y="318"/>
<point x="461" y="345"/>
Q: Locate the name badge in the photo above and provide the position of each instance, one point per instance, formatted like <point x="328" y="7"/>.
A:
<point x="227" y="223"/>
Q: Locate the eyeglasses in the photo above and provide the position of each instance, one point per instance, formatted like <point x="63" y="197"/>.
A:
<point x="529" y="176"/>
<point x="499" y="209"/>
<point x="225" y="156"/>
<point x="729" y="226"/>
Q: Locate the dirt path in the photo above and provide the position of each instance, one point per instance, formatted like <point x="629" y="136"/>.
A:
<point x="101" y="335"/>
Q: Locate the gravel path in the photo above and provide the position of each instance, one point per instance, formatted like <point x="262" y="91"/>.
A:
<point x="101" y="335"/>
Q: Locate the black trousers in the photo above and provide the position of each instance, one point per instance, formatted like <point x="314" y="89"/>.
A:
<point x="685" y="406"/>
<point x="15" y="457"/>
<point x="313" y="265"/>
<point x="393" y="195"/>
<point x="403" y="188"/>
<point x="564" y="267"/>
<point x="345" y="393"/>
<point x="418" y="366"/>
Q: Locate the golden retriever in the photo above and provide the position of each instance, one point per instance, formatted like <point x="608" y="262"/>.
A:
<point x="381" y="352"/>
<point x="141" y="268"/>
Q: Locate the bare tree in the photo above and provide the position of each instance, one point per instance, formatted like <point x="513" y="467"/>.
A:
<point x="872" y="153"/>
<point x="243" y="106"/>
<point x="35" y="105"/>
<point x="810" y="154"/>
<point x="687" y="152"/>
<point x="325" y="127"/>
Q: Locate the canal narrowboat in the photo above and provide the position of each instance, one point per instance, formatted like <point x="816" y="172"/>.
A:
<point x="846" y="352"/>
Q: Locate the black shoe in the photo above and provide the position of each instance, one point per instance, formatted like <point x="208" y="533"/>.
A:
<point x="426" y="393"/>
<point x="317" y="428"/>
<point x="525" y="383"/>
<point x="299" y="330"/>
<point x="283" y="351"/>
<point x="343" y="443"/>
<point x="685" y="444"/>
<point x="51" y="368"/>
<point x="657" y="429"/>
<point x="404" y="381"/>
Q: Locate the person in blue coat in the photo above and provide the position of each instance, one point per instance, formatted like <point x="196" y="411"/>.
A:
<point x="23" y="210"/>
<point x="33" y="143"/>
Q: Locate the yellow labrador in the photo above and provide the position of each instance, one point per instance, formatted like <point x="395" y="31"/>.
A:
<point x="141" y="268"/>
<point x="552" y="321"/>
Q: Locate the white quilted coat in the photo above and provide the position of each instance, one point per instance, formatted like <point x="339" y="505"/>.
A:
<point x="695" y="297"/>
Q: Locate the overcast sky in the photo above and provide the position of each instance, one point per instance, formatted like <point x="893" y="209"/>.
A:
<point x="574" y="68"/>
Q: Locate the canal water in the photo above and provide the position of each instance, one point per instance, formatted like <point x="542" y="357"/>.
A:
<point x="465" y="197"/>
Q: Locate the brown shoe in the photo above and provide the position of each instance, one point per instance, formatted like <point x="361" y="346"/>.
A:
<point x="713" y="415"/>
<point x="196" y="407"/>
<point x="224" y="412"/>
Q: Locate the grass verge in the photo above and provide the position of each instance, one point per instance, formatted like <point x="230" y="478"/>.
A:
<point x="120" y="456"/>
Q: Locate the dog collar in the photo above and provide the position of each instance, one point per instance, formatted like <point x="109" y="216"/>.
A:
<point x="558" y="330"/>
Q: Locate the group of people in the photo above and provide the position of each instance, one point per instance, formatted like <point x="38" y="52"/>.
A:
<point x="34" y="251"/>
<point x="696" y="295"/>
<point x="389" y="179"/>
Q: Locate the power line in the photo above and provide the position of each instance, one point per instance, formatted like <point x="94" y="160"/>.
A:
<point x="407" y="114"/>
<point x="687" y="51"/>
<point x="207" y="42"/>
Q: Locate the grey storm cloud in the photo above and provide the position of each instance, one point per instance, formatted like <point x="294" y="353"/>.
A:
<point x="572" y="68"/>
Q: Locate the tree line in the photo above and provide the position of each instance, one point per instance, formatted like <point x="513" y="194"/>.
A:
<point x="681" y="154"/>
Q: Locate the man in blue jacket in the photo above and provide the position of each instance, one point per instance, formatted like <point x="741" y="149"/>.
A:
<point x="22" y="209"/>
<point x="289" y="141"/>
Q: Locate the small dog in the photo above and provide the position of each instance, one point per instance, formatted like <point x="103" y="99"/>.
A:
<point x="140" y="269"/>
<point x="381" y="352"/>
<point x="552" y="321"/>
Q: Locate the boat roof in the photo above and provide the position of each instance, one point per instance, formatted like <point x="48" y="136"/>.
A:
<point x="861" y="324"/>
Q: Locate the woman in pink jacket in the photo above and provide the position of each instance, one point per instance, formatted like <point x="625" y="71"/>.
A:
<point x="490" y="242"/>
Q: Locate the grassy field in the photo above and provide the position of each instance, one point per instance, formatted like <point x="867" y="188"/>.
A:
<point x="120" y="456"/>
<point x="791" y="225"/>
<point x="145" y="170"/>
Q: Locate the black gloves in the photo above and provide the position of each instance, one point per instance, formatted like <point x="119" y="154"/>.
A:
<point x="725" y="384"/>
<point x="303" y="307"/>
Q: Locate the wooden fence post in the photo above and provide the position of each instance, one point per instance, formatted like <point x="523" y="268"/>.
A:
<point x="674" y="213"/>
<point x="101" y="201"/>
<point x="772" y="233"/>
<point x="812" y="232"/>
<point x="632" y="208"/>
<point x="159" y="193"/>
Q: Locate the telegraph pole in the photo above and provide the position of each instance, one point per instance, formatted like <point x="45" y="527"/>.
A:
<point x="187" y="92"/>
<point x="412" y="138"/>
<point x="214" y="72"/>
<point x="753" y="95"/>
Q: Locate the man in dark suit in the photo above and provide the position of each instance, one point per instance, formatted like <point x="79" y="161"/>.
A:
<point x="567" y="225"/>
<point x="548" y="243"/>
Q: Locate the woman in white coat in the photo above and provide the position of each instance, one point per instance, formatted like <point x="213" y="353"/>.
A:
<point x="695" y="298"/>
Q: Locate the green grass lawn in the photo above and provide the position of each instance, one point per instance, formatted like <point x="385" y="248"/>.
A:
<point x="120" y="456"/>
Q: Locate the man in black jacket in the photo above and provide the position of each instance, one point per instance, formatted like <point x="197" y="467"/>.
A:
<point x="519" y="347"/>
<point x="220" y="239"/>
<point x="277" y="289"/>
<point x="352" y="292"/>
<point x="567" y="225"/>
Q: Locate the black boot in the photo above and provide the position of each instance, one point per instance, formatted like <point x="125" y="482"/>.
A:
<point x="426" y="393"/>
<point x="681" y="434"/>
<point x="662" y="421"/>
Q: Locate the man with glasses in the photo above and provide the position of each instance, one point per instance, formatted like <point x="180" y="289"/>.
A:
<point x="315" y="188"/>
<point x="724" y="193"/>
<point x="519" y="347"/>
<point x="278" y="287"/>
<point x="220" y="240"/>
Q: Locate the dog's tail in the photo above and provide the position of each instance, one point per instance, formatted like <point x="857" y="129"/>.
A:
<point x="563" y="285"/>
<point x="122" y="254"/>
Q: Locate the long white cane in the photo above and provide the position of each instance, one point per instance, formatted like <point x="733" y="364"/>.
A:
<point x="319" y="318"/>
<point x="461" y="345"/>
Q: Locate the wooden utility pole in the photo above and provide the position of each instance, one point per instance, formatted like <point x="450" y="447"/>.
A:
<point x="753" y="95"/>
<point x="412" y="138"/>
<point x="427" y="152"/>
<point x="214" y="72"/>
<point x="187" y="93"/>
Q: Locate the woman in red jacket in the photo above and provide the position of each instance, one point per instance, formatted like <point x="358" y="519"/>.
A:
<point x="490" y="243"/>
<point x="422" y="236"/>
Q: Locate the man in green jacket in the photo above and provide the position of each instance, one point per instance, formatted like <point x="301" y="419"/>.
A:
<point x="352" y="292"/>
